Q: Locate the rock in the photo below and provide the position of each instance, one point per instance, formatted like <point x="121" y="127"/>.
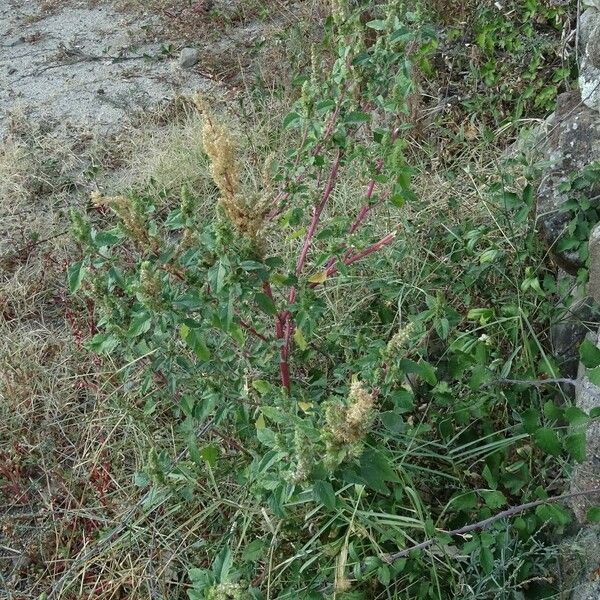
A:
<point x="189" y="57"/>
<point x="589" y="68"/>
<point x="580" y="319"/>
<point x="581" y="557"/>
<point x="594" y="258"/>
<point x="586" y="476"/>
<point x="573" y="143"/>
<point x="591" y="3"/>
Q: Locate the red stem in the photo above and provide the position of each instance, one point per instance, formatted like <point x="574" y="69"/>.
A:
<point x="348" y="260"/>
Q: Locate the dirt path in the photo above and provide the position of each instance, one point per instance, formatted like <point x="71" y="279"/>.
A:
<point x="85" y="62"/>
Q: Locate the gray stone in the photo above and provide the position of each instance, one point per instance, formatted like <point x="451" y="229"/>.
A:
<point x="573" y="143"/>
<point x="189" y="57"/>
<point x="594" y="258"/>
<point x="586" y="476"/>
<point x="578" y="320"/>
<point x="589" y="68"/>
<point x="591" y="3"/>
<point x="580" y="563"/>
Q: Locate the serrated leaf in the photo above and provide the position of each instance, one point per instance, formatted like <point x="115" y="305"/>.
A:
<point x="75" y="274"/>
<point x="260" y="422"/>
<point x="575" y="445"/>
<point x="305" y="406"/>
<point x="323" y="492"/>
<point x="493" y="499"/>
<point x="547" y="440"/>
<point x="210" y="454"/>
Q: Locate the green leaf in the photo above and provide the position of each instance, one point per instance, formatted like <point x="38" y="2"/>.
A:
<point x="291" y="119"/>
<point x="575" y="445"/>
<point x="195" y="341"/>
<point x="593" y="514"/>
<point x="299" y="339"/>
<point x="554" y="513"/>
<point x="323" y="492"/>
<point x="463" y="501"/>
<point x="210" y="454"/>
<point x="493" y="499"/>
<point x="139" y="324"/>
<point x="75" y="273"/>
<point x="487" y="560"/>
<point x="377" y="25"/>
<point x="531" y="420"/>
<point x="265" y="303"/>
<point x="261" y="386"/>
<point x="357" y="117"/>
<point x="376" y="470"/>
<point x="106" y="238"/>
<point x="222" y="565"/>
<point x="590" y="354"/>
<point x="548" y="441"/>
<point x="103" y="343"/>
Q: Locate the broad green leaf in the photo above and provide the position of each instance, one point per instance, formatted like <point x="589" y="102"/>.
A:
<point x="323" y="492"/>
<point x="531" y="420"/>
<point x="210" y="454"/>
<point x="299" y="339"/>
<point x="261" y="386"/>
<point x="590" y="354"/>
<point x="265" y="303"/>
<point x="291" y="119"/>
<point x="575" y="445"/>
<point x="357" y="117"/>
<point x="75" y="273"/>
<point x="548" y="441"/>
<point x="493" y="499"/>
<point x="593" y="514"/>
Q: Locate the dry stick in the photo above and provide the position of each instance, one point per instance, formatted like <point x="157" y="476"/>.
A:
<point x="509" y="512"/>
<point x="108" y="541"/>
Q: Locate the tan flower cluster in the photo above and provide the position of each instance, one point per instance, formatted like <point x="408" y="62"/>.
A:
<point x="246" y="215"/>
<point x="399" y="340"/>
<point x="347" y="424"/>
<point x="133" y="220"/>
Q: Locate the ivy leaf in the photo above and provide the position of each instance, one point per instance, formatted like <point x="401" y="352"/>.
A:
<point x="323" y="492"/>
<point x="75" y="273"/>
<point x="547" y="440"/>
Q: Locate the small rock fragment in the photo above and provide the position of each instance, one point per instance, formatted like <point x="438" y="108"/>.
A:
<point x="189" y="57"/>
